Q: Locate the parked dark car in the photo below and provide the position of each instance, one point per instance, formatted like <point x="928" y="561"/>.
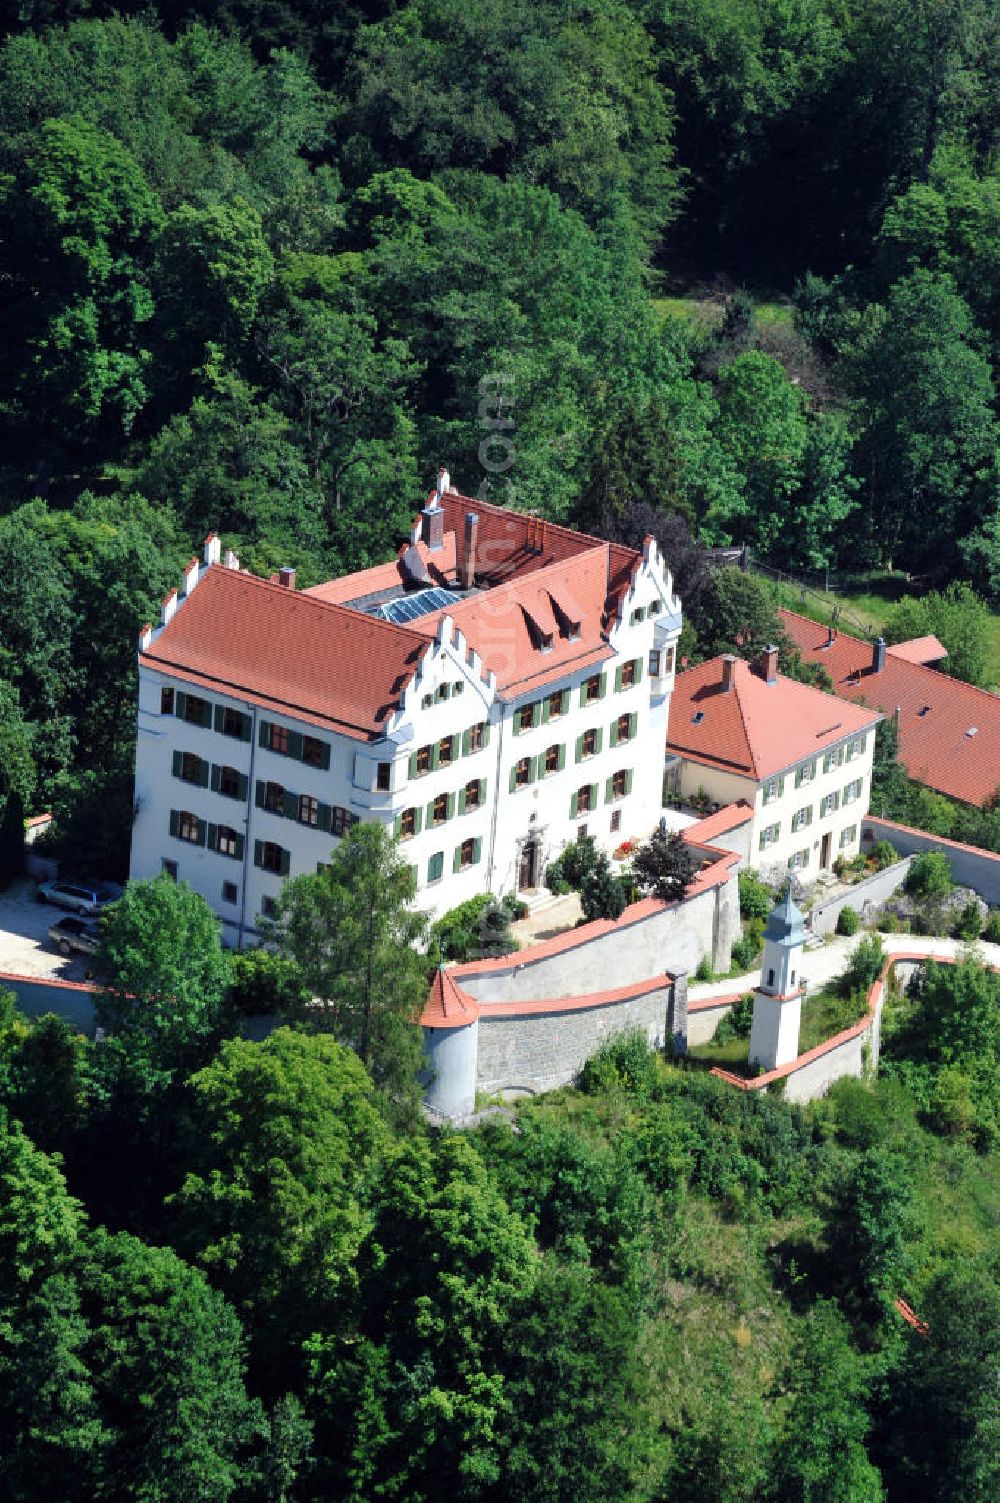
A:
<point x="74" y="935"/>
<point x="78" y="897"/>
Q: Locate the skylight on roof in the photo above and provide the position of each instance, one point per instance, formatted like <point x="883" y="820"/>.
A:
<point x="925" y="711"/>
<point x="697" y="717"/>
<point x="409" y="607"/>
<point x="973" y="730"/>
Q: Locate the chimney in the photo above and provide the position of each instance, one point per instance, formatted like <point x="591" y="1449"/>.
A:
<point x="286" y="577"/>
<point x="145" y="638"/>
<point x="769" y="665"/>
<point x="432" y="527"/>
<point x="831" y="635"/>
<point x="467" y="568"/>
<point x="231" y="561"/>
<point x="213" y="549"/>
<point x="443" y="482"/>
<point x="728" y="671"/>
<point x="878" y="654"/>
<point x="190" y="576"/>
<point x="168" y="610"/>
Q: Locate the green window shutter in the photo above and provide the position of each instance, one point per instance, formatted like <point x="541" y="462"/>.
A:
<point x="180" y="703"/>
<point x="562" y="760"/>
<point x="604" y="686"/>
<point x="240" y="847"/>
<point x="216" y="778"/>
<point x="583" y="695"/>
<point x="486" y="733"/>
<point x="242" y="787"/>
<point x="456" y="860"/>
<point x="175" y="821"/>
<point x="397" y="825"/>
<point x="579" y="748"/>
<point x="454" y="746"/>
<point x="295" y="744"/>
<point x="291" y="805"/>
<point x="418" y="821"/>
<point x="781" y="786"/>
<point x="177" y="764"/>
<point x="246" y="727"/>
<point x="546" y="711"/>
<point x="325" y="815"/>
<point x="513" y="779"/>
<point x="264" y="733"/>
<point x="574" y="805"/>
<point x="202" y="829"/>
<point x="413" y="764"/>
<point x="633" y="724"/>
<point x="638" y="670"/>
<point x="466" y="740"/>
<point x="203" y="773"/>
<point x="324" y="760"/>
<point x="564" y="703"/>
<point x="609" y="790"/>
<point x="628" y="781"/>
<point x="258" y="853"/>
<point x="613" y="737"/>
<point x="212" y="837"/>
<point x="430" y="814"/>
<point x="482" y="791"/>
<point x="436" y="754"/>
<point x="461" y="801"/>
<point x="259" y="794"/>
<point x="599" y="742"/>
<point x="477" y="849"/>
<point x="618" y="677"/>
<point x="593" y="795"/>
<point x="286" y="861"/>
<point x="536" y="762"/>
<point x="536" y="712"/>
<point x="219" y="717"/>
<point x="451" y="806"/>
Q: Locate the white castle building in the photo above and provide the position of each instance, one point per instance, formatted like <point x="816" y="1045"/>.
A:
<point x="499" y="688"/>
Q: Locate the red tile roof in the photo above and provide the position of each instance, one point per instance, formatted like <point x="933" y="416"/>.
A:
<point x="719" y="823"/>
<point x="919" y="650"/>
<point x="503" y="624"/>
<point x="936" y="712"/>
<point x="447" y="1006"/>
<point x="440" y="565"/>
<point x="283" y="649"/>
<point x="756" y="729"/>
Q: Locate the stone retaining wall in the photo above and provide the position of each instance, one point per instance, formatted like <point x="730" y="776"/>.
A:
<point x="872" y="891"/>
<point x="970" y="866"/>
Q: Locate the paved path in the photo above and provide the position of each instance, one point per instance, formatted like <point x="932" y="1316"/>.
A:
<point x="823" y="964"/>
<point x="25" y="948"/>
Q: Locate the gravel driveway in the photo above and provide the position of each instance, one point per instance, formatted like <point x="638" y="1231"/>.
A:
<point x="25" y="947"/>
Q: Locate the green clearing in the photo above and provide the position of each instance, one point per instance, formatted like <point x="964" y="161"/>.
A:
<point x="824" y="1014"/>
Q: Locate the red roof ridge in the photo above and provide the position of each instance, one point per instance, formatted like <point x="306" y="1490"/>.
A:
<point x="315" y="602"/>
<point x="447" y="1005"/>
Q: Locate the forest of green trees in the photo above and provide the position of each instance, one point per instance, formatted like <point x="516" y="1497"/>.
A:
<point x="248" y="1272"/>
<point x="731" y="271"/>
<point x="262" y="262"/>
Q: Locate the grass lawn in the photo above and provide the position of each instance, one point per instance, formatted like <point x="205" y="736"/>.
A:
<point x="823" y="1015"/>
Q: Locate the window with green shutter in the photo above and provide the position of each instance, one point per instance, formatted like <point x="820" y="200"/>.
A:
<point x="435" y="867"/>
<point x="174" y="820"/>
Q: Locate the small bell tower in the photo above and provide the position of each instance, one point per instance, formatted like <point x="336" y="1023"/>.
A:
<point x="777" y="1003"/>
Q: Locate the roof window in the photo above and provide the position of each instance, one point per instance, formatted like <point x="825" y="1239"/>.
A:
<point x="697" y="717"/>
<point x="925" y="711"/>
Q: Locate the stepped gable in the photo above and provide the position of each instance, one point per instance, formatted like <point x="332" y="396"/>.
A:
<point x="537" y="627"/>
<point x="277" y="647"/>
<point x="755" y="728"/>
<point x="949" y="731"/>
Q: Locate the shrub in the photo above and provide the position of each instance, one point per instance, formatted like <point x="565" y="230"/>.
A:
<point x="747" y="948"/>
<point x="625" y="1063"/>
<point x="858" y="863"/>
<point x="884" y="854"/>
<point x="737" y="1022"/>
<point x="479" y="926"/>
<point x="602" y="895"/>
<point x="515" y="907"/>
<point x="840" y="866"/>
<point x="969" y="921"/>
<point x="991" y="929"/>
<point x="890" y="923"/>
<point x="756" y="898"/>
<point x="663" y="867"/>
<point x="929" y="875"/>
<point x="703" y="970"/>
<point x="848" y="921"/>
<point x="567" y="871"/>
<point x="866" y="965"/>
